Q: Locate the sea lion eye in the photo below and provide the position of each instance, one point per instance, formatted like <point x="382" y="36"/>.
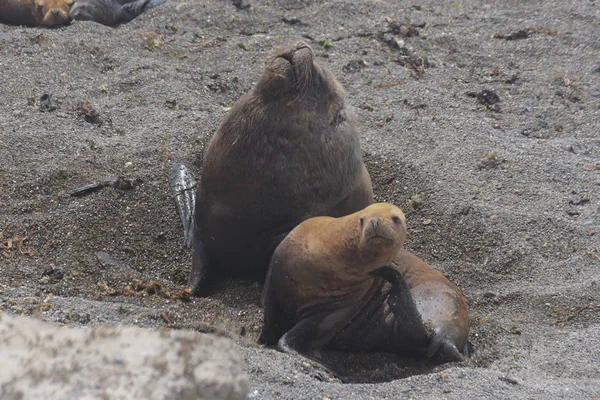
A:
<point x="396" y="219"/>
<point x="40" y="9"/>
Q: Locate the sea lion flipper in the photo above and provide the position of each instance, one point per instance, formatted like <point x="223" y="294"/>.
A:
<point x="409" y="322"/>
<point x="274" y="325"/>
<point x="302" y="338"/>
<point x="198" y="277"/>
<point x="442" y="349"/>
<point x="313" y="356"/>
<point x="182" y="182"/>
<point x="131" y="10"/>
<point x="154" y="3"/>
<point x="315" y="330"/>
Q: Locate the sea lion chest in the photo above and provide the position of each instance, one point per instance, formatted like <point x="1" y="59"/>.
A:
<point x="281" y="167"/>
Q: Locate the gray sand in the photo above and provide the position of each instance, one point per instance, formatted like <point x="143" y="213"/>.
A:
<point x="502" y="198"/>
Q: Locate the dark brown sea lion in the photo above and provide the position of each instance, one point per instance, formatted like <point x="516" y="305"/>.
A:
<point x="288" y="150"/>
<point x="111" y="12"/>
<point x="48" y="13"/>
<point x="326" y="288"/>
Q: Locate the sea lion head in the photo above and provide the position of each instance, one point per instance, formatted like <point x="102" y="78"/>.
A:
<point x="295" y="76"/>
<point x="382" y="232"/>
<point x="53" y="12"/>
<point x="85" y="10"/>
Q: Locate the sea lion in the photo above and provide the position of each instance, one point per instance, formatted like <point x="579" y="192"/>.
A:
<point x="327" y="288"/>
<point x="288" y="150"/>
<point x="111" y="12"/>
<point x="47" y="13"/>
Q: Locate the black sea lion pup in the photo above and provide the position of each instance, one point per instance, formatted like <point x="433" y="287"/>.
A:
<point x="111" y="12"/>
<point x="48" y="13"/>
<point x="288" y="150"/>
<point x="325" y="289"/>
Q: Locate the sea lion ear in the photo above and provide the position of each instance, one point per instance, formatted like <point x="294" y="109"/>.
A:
<point x="362" y="221"/>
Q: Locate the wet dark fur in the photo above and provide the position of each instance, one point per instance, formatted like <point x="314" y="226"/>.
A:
<point x="287" y="151"/>
<point x="111" y="12"/>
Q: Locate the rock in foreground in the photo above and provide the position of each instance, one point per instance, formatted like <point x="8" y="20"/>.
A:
<point x="45" y="361"/>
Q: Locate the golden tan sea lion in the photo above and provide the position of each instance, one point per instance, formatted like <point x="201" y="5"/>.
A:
<point x="327" y="288"/>
<point x="288" y="150"/>
<point x="48" y="13"/>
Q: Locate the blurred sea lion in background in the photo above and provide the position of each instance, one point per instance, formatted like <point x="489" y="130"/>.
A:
<point x="111" y="12"/>
<point x="288" y="150"/>
<point x="47" y="13"/>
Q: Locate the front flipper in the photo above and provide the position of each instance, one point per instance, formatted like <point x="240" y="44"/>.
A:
<point x="318" y="324"/>
<point x="410" y="325"/>
<point x="304" y="340"/>
<point x="199" y="277"/>
<point x="275" y="323"/>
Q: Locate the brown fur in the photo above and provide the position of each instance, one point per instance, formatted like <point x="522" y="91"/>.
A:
<point x="442" y="306"/>
<point x="288" y="150"/>
<point x="321" y="273"/>
<point x="48" y="13"/>
<point x="334" y="256"/>
<point x="321" y="292"/>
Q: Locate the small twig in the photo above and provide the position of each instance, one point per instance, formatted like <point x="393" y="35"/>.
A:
<point x="164" y="316"/>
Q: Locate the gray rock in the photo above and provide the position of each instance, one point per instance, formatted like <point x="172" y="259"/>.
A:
<point x="43" y="361"/>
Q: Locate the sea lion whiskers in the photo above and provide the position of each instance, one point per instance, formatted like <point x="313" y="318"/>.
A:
<point x="305" y="75"/>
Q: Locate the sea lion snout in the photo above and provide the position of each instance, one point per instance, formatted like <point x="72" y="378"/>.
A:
<point x="53" y="12"/>
<point x="302" y="45"/>
<point x="299" y="53"/>
<point x="382" y="230"/>
<point x="378" y="233"/>
<point x="55" y="16"/>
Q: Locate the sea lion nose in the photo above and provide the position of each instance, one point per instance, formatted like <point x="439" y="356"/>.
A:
<point x="55" y="11"/>
<point x="375" y="221"/>
<point x="302" y="45"/>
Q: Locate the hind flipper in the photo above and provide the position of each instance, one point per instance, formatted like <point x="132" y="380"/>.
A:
<point x="154" y="3"/>
<point x="129" y="11"/>
<point x="442" y="350"/>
